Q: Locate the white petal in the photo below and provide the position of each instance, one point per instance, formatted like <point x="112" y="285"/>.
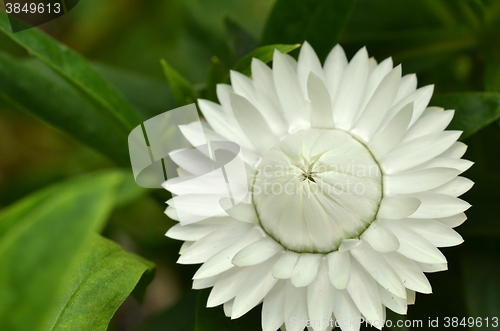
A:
<point x="373" y="262"/>
<point x="394" y="303"/>
<point x="446" y="162"/>
<point x="409" y="272"/>
<point x="411" y="297"/>
<point x="372" y="116"/>
<point x="320" y="103"/>
<point x="453" y="221"/>
<point x="418" y="181"/>
<point x="244" y="212"/>
<point x="320" y="297"/>
<point x="420" y="99"/>
<point x="223" y="91"/>
<point x="306" y="269"/>
<point x="389" y="136"/>
<point x="417" y="151"/>
<point x="456" y="187"/>
<point x="252" y="123"/>
<point x="295" y="307"/>
<point x="432" y="267"/>
<point x="346" y="312"/>
<point x="414" y="246"/>
<point x="435" y="205"/>
<point x="256" y="286"/>
<point x="191" y="232"/>
<point x="339" y="268"/>
<point x="228" y="308"/>
<point x="290" y="94"/>
<point x="364" y="292"/>
<point x="348" y="244"/>
<point x="284" y="267"/>
<point x="397" y="207"/>
<point x="351" y="90"/>
<point x="211" y="244"/>
<point x="192" y="160"/>
<point x="380" y="237"/>
<point x="334" y="67"/>
<point x="227" y="286"/>
<point x="377" y="74"/>
<point x="308" y="62"/>
<point x="273" y="309"/>
<point x="199" y="284"/>
<point x="221" y="261"/>
<point x="439" y="234"/>
<point x="456" y="151"/>
<point x="407" y="87"/>
<point x="222" y="123"/>
<point x="434" y="122"/>
<point x="257" y="252"/>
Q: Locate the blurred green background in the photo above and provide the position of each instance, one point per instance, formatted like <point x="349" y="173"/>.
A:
<point x="454" y="44"/>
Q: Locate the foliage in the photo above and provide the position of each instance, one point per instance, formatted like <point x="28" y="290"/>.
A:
<point x="61" y="270"/>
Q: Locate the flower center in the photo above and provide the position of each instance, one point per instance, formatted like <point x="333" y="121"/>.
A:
<point x="316" y="188"/>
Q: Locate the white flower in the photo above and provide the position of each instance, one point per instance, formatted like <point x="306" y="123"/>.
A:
<point x="354" y="184"/>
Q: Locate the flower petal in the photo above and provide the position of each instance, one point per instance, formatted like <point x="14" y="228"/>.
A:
<point x="409" y="272"/>
<point x="273" y="309"/>
<point x="252" y="123"/>
<point x="257" y="252"/>
<point x="397" y="207"/>
<point x="339" y="268"/>
<point x="283" y="269"/>
<point x="334" y="68"/>
<point x="418" y="181"/>
<point x="363" y="290"/>
<point x="380" y="238"/>
<point x="320" y="298"/>
<point x="346" y="312"/>
<point x="306" y="269"/>
<point x="373" y="262"/>
<point x="320" y="103"/>
<point x="435" y="205"/>
<point x="308" y="62"/>
<point x="351" y="90"/>
<point x="289" y="93"/>
<point x="414" y="246"/>
<point x="439" y="234"/>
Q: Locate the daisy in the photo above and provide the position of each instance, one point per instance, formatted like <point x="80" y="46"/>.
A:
<point x="353" y="182"/>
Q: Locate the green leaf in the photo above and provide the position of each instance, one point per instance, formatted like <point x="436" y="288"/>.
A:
<point x="30" y="86"/>
<point x="264" y="53"/>
<point x="473" y="110"/>
<point x="213" y="319"/>
<point x="109" y="104"/>
<point x="320" y="22"/>
<point x="150" y="96"/>
<point x="41" y="237"/>
<point x="103" y="278"/>
<point x="182" y="90"/>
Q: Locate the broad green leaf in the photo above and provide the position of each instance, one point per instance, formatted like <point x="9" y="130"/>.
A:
<point x="150" y="96"/>
<point x="30" y="86"/>
<point x="473" y="110"/>
<point x="320" y="22"/>
<point x="213" y="319"/>
<point x="183" y="91"/>
<point x="217" y="73"/>
<point x="240" y="42"/>
<point x="264" y="53"/>
<point x="101" y="280"/>
<point x="109" y="104"/>
<point x="40" y="239"/>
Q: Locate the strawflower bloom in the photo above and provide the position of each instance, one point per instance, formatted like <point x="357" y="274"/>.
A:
<point x="353" y="182"/>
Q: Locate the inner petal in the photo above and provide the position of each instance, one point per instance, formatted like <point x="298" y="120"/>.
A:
<point x="315" y="188"/>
